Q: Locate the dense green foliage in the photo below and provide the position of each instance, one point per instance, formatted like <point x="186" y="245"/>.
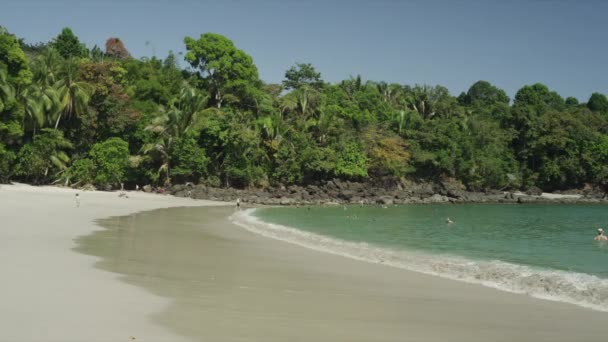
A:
<point x="80" y="116"/>
<point x="6" y="160"/>
<point x="68" y="45"/>
<point x="43" y="159"/>
<point x="224" y="69"/>
<point x="13" y="60"/>
<point x="110" y="159"/>
<point x="598" y="103"/>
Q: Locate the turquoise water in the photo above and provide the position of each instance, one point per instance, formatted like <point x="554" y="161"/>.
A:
<point x="546" y="251"/>
<point x="550" y="236"/>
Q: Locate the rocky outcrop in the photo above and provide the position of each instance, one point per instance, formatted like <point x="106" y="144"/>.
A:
<point x="380" y="192"/>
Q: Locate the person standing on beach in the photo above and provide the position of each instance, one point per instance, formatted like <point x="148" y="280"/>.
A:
<point x="600" y="235"/>
<point x="238" y="203"/>
<point x="77" y="200"/>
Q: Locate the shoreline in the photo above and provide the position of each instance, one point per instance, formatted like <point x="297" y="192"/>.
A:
<point x="537" y="282"/>
<point x="230" y="284"/>
<point x="341" y="193"/>
<point x="53" y="293"/>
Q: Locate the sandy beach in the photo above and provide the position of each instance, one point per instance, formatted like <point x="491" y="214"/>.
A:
<point x="232" y="285"/>
<point x="188" y="274"/>
<point x="48" y="291"/>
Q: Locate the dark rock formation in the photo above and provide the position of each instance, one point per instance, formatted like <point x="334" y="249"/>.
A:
<point x="388" y="191"/>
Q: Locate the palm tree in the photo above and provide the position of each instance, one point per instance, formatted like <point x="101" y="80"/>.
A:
<point x="431" y="101"/>
<point x="304" y="101"/>
<point x="7" y="91"/>
<point x="47" y="67"/>
<point x="388" y="91"/>
<point x="273" y="129"/>
<point x="401" y="119"/>
<point x="184" y="116"/>
<point x="322" y="125"/>
<point x="33" y="107"/>
<point x="288" y="103"/>
<point x="74" y="95"/>
<point x="40" y="99"/>
<point x="351" y="86"/>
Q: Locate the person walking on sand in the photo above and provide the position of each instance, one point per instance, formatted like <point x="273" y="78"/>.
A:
<point x="122" y="192"/>
<point x="600" y="235"/>
<point x="77" y="200"/>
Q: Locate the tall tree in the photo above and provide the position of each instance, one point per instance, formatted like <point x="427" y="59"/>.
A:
<point x="598" y="103"/>
<point x="74" y="95"/>
<point x="224" y="68"/>
<point x="571" y="101"/>
<point x="13" y="60"/>
<point x="539" y="97"/>
<point x="172" y="126"/>
<point x="7" y="91"/>
<point x="485" y="94"/>
<point x="300" y="75"/>
<point x="41" y="104"/>
<point x="68" y="45"/>
<point x="41" y="98"/>
<point x="432" y="102"/>
<point x="11" y="128"/>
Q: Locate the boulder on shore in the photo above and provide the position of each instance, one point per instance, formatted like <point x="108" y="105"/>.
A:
<point x="386" y="200"/>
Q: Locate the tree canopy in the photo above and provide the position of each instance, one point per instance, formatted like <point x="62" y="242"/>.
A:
<point x="225" y="69"/>
<point x="598" y="103"/>
<point x="73" y="115"/>
<point x="302" y="75"/>
<point x="68" y="45"/>
<point x="13" y="59"/>
<point x="485" y="94"/>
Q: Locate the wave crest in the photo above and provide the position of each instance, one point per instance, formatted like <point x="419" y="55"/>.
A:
<point x="576" y="288"/>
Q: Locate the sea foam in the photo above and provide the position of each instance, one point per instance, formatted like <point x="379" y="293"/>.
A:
<point x="576" y="288"/>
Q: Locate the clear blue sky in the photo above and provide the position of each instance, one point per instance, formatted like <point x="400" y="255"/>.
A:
<point x="563" y="44"/>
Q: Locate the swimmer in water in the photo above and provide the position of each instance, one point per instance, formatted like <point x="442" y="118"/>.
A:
<point x="600" y="235"/>
<point x="448" y="221"/>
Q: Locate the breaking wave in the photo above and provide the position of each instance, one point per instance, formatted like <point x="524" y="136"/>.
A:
<point x="576" y="288"/>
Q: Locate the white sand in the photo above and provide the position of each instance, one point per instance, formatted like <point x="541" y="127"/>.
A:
<point x="51" y="293"/>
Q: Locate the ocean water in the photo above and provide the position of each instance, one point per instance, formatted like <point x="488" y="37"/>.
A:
<point x="546" y="251"/>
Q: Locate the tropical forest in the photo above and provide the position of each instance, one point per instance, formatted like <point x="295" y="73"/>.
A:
<point x="73" y="115"/>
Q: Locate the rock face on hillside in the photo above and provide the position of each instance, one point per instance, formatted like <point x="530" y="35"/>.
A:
<point x="383" y="192"/>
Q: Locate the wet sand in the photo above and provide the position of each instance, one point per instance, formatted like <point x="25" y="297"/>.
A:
<point x="48" y="291"/>
<point x="227" y="284"/>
